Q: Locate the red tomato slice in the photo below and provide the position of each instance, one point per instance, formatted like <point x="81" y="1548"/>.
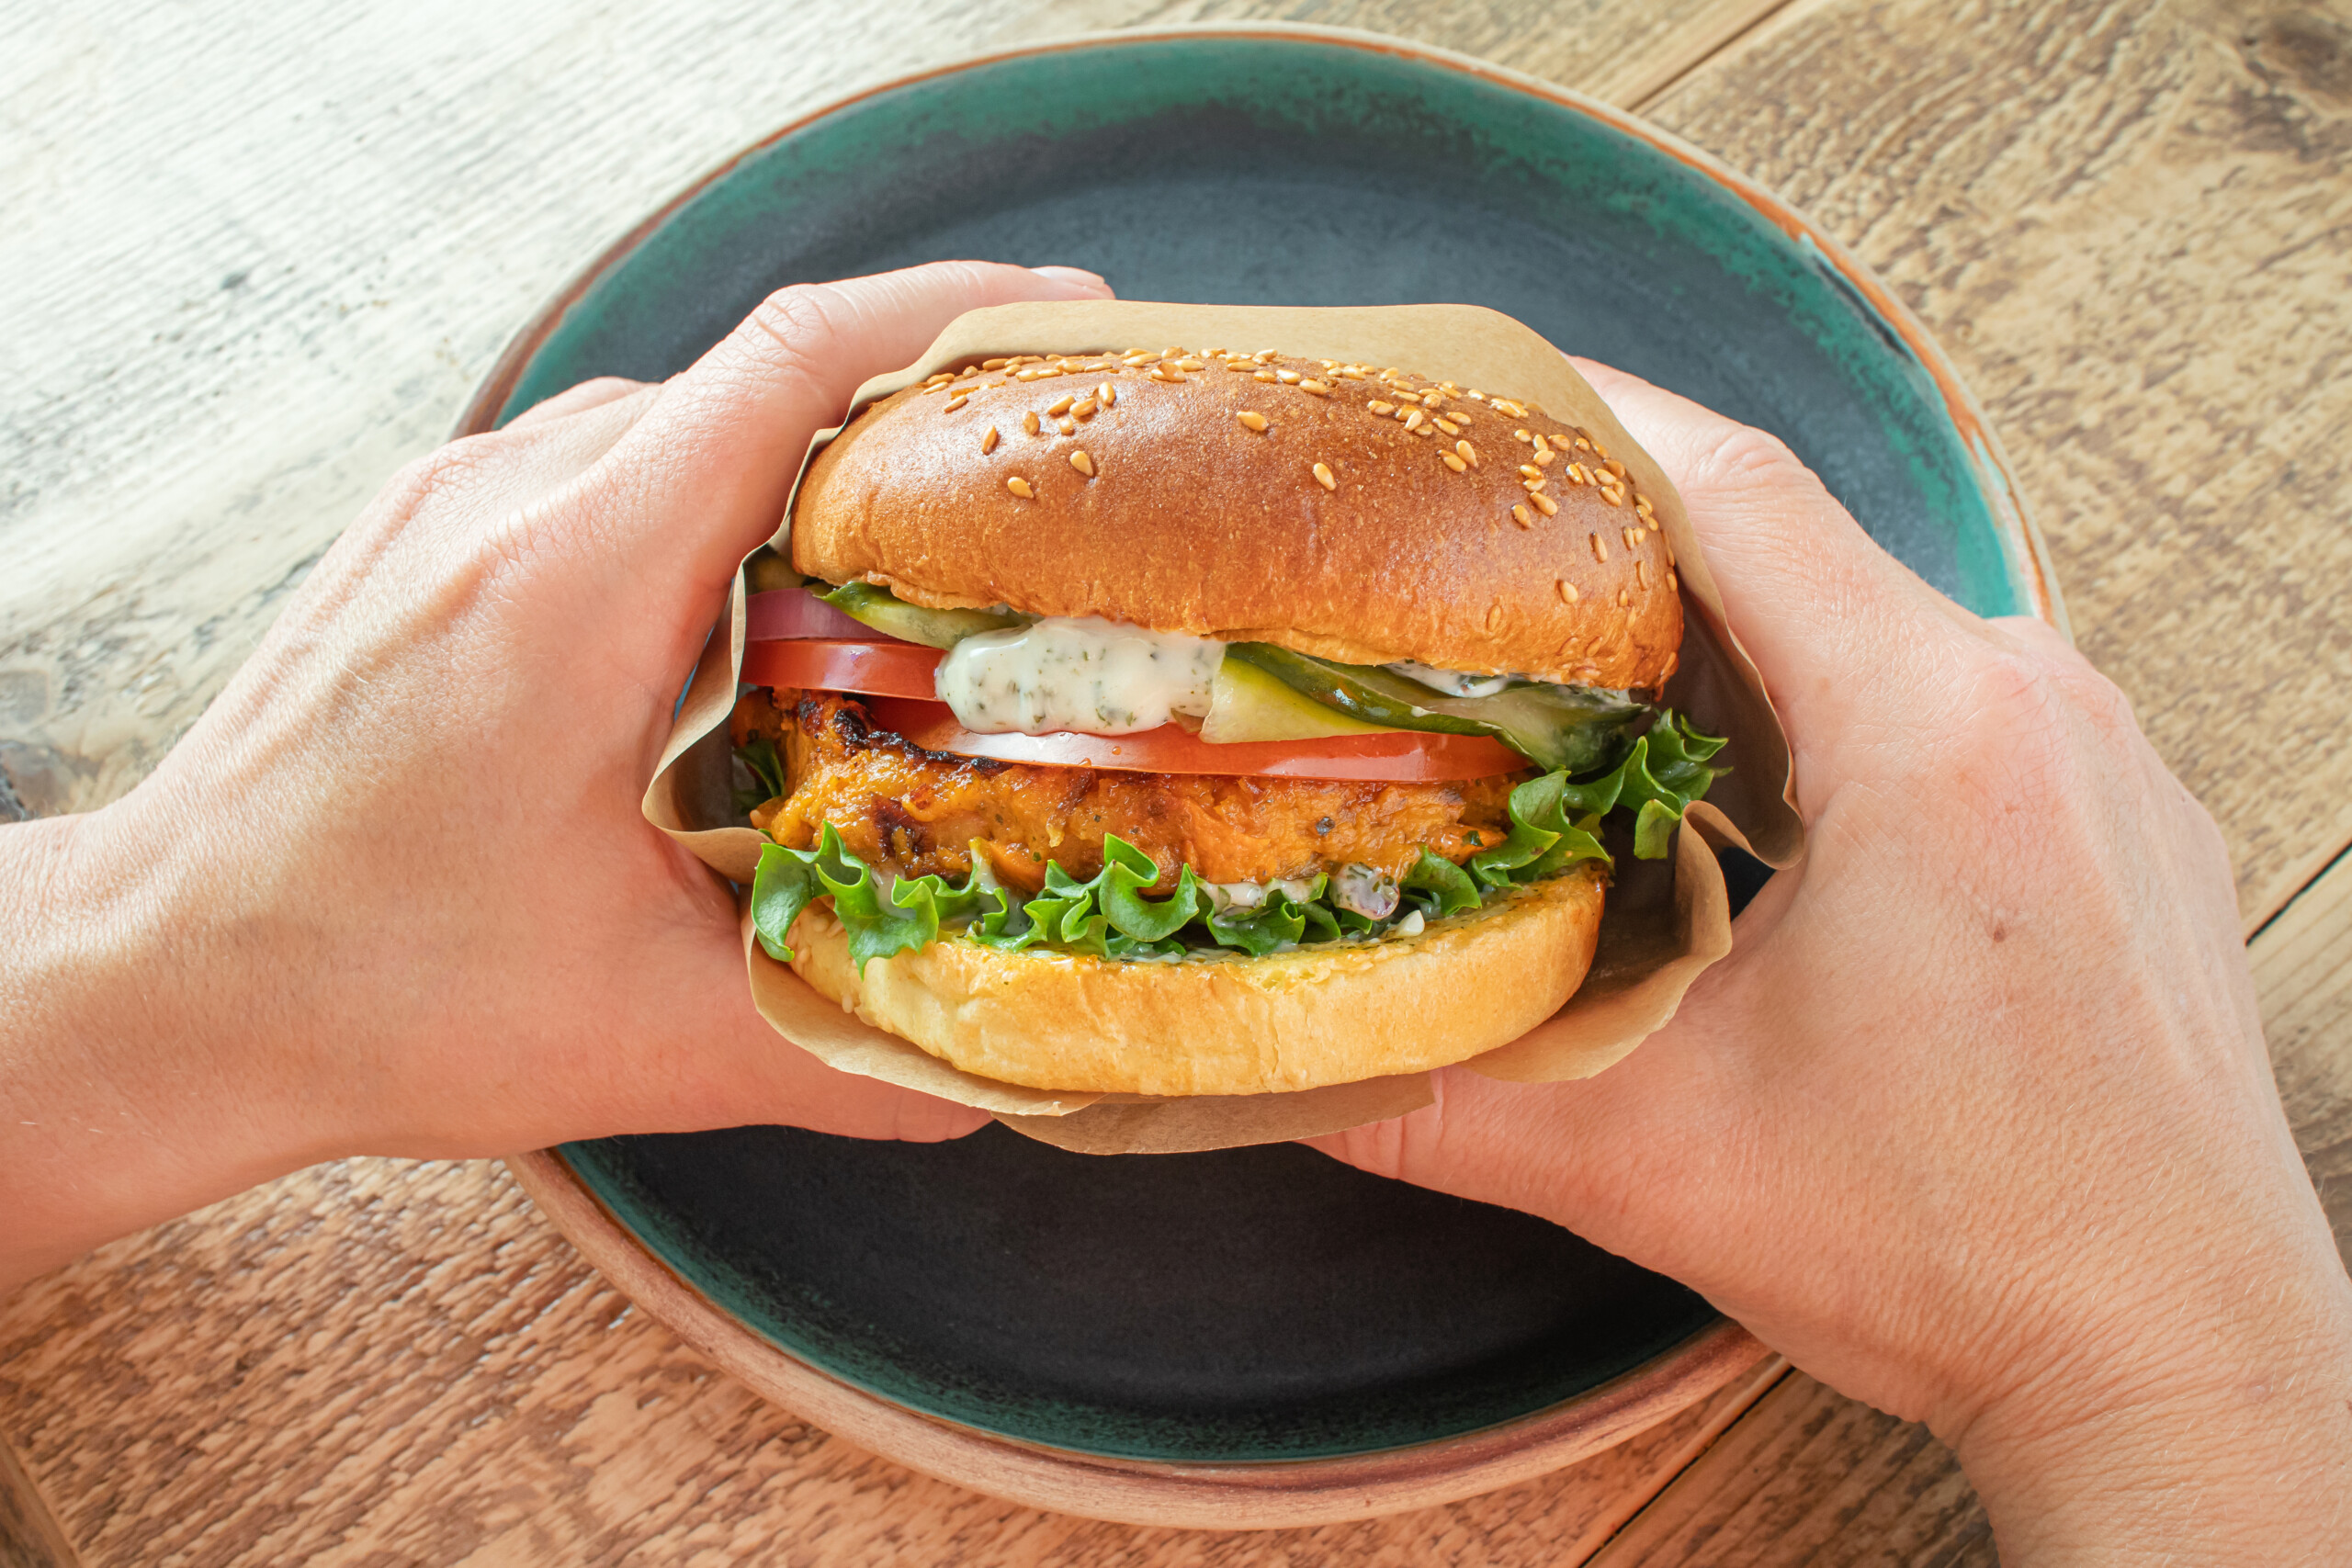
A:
<point x="1398" y="755"/>
<point x="824" y="664"/>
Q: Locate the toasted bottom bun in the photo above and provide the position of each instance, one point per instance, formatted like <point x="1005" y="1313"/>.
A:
<point x="1227" y="1023"/>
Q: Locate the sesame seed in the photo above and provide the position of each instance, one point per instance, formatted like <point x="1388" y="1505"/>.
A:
<point x="1475" y="395"/>
<point x="1547" y="505"/>
<point x="1624" y="597"/>
<point x="1323" y="477"/>
<point x="1521" y="435"/>
<point x="1518" y="515"/>
<point x="1599" y="550"/>
<point x="1263" y="354"/>
<point x="1584" y="445"/>
<point x="1613" y="495"/>
<point x="1566" y="590"/>
<point x="1642" y="572"/>
<point x="1379" y="407"/>
<point x="1106" y="394"/>
<point x="1614" y="467"/>
<point x="1261" y="376"/>
<point x="1253" y="421"/>
<point x="1542" y="447"/>
<point x="1456" y="464"/>
<point x="992" y="364"/>
<point x="1073" y="363"/>
<point x="1237" y="365"/>
<point x="1190" y="364"/>
<point x="1469" y="453"/>
<point x="1020" y="486"/>
<point x="1576" y="474"/>
<point x="1317" y="387"/>
<point x="954" y="403"/>
<point x="1066" y="425"/>
<point x="1421" y="426"/>
<point x="1504" y="405"/>
<point x="1287" y="378"/>
<point x="1531" y="486"/>
<point x="1029" y="422"/>
<point x="1024" y="375"/>
<point x="1177" y="353"/>
<point x="988" y="442"/>
<point x="1597" y="450"/>
<point x="1060" y="406"/>
<point x="935" y="379"/>
<point x="1082" y="463"/>
<point x="1082" y="409"/>
<point x="1633" y="537"/>
<point x="1673" y="583"/>
<point x="1414" y="419"/>
<point x="1531" y="470"/>
<point x="1449" y="427"/>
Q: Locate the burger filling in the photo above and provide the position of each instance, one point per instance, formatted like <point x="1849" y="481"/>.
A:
<point x="912" y="845"/>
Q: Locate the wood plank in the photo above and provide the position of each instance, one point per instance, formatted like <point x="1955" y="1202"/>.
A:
<point x="1810" y="1476"/>
<point x="2129" y="225"/>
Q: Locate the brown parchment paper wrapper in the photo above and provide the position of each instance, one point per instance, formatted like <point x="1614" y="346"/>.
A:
<point x="1666" y="920"/>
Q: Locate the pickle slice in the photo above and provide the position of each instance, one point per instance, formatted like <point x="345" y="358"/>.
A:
<point x="893" y="616"/>
<point x="1581" y="729"/>
<point x="1247" y="703"/>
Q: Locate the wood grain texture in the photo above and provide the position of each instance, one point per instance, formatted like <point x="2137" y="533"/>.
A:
<point x="2131" y="226"/>
<point x="30" y="1536"/>
<point x="1811" y="1476"/>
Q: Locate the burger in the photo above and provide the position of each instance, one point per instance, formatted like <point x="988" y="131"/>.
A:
<point x="1206" y="723"/>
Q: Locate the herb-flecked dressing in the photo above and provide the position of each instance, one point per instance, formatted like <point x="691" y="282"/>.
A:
<point x="1083" y="673"/>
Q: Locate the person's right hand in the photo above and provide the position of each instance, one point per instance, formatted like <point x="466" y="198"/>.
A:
<point x="1976" y="1122"/>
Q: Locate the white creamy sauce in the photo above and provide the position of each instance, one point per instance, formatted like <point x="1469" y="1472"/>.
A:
<point x="1225" y="897"/>
<point x="1087" y="675"/>
<point x="1453" y="683"/>
<point x="1365" y="891"/>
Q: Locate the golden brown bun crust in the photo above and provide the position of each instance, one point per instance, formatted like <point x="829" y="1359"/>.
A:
<point x="1227" y="1024"/>
<point x="1193" y="522"/>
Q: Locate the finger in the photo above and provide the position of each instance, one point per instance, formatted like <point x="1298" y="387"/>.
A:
<point x="572" y="399"/>
<point x="1824" y="612"/>
<point x="1078" y="274"/>
<point x="719" y="452"/>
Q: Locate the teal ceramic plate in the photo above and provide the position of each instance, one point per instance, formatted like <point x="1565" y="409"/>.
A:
<point x="1254" y="1304"/>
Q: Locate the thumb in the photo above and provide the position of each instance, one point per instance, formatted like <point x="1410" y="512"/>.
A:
<point x="1824" y="611"/>
<point x="714" y="460"/>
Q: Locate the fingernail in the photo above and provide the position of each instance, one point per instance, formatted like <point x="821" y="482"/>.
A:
<point x="1077" y="275"/>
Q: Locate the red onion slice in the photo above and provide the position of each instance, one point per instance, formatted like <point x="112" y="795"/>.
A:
<point x="788" y="614"/>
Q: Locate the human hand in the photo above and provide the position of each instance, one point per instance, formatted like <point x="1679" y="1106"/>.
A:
<point x="1976" y="1122"/>
<point x="394" y="893"/>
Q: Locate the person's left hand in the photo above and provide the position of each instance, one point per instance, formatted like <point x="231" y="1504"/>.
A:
<point x="394" y="893"/>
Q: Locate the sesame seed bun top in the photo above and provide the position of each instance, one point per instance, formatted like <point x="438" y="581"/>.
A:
<point x="1351" y="511"/>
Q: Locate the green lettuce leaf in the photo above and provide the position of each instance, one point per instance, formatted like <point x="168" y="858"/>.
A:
<point x="877" y="922"/>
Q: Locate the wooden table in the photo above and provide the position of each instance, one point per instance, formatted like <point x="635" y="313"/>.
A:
<point x="250" y="266"/>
